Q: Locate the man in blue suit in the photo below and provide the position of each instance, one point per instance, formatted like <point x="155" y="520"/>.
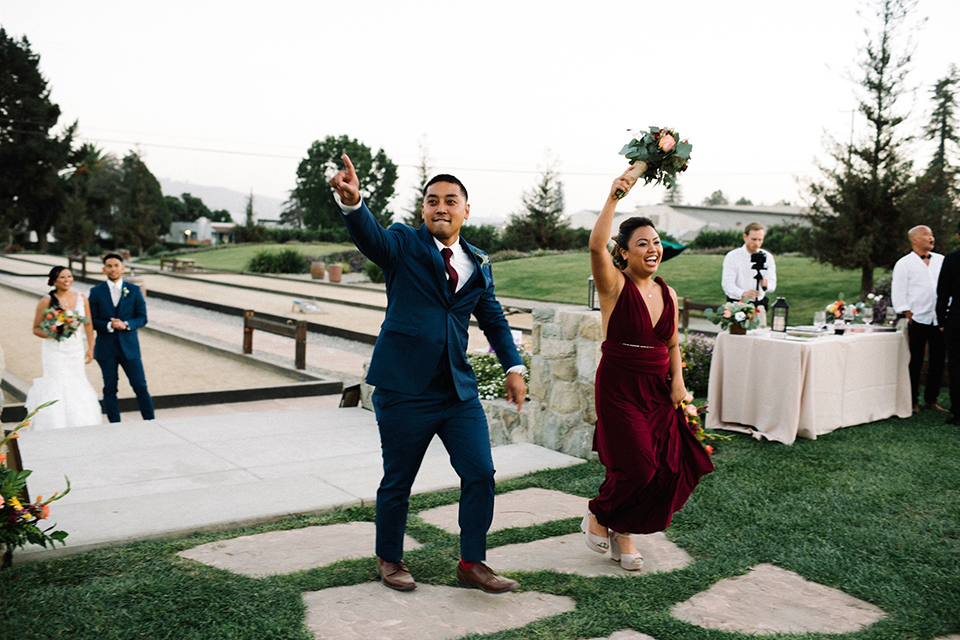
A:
<point x="424" y="384"/>
<point x="117" y="309"/>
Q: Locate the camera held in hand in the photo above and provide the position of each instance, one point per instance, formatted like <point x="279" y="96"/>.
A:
<point x="758" y="262"/>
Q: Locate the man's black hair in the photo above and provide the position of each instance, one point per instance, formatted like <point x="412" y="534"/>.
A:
<point x="112" y="255"/>
<point x="446" y="177"/>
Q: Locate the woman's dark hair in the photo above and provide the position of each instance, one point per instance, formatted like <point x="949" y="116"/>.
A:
<point x="51" y="280"/>
<point x="627" y="227"/>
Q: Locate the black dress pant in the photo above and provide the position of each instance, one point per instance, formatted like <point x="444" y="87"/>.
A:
<point x="952" y="340"/>
<point x="923" y="336"/>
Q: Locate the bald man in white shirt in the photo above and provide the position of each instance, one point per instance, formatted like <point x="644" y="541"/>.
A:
<point x="914" y="294"/>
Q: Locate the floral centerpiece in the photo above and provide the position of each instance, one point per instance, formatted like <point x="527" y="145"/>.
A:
<point x="837" y="309"/>
<point x="657" y="156"/>
<point x="694" y="416"/>
<point x="19" y="518"/>
<point x="60" y="324"/>
<point x="739" y="317"/>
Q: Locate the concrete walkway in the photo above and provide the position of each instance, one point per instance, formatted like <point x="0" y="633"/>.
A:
<point x="170" y="477"/>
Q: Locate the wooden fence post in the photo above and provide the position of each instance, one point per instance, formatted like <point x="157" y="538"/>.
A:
<point x="301" y="338"/>
<point x="247" y="332"/>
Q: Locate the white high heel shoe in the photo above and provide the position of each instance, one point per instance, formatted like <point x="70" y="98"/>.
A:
<point x="594" y="542"/>
<point x="629" y="561"/>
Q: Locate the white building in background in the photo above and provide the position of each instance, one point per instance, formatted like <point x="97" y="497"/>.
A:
<point x="201" y="231"/>
<point x="685" y="222"/>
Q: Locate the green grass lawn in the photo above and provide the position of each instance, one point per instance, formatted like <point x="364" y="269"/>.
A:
<point x="806" y="285"/>
<point x="871" y="510"/>
<point x="237" y="257"/>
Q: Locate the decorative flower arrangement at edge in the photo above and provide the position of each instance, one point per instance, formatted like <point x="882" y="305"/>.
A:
<point x="744" y="314"/>
<point x="694" y="417"/>
<point x="19" y="522"/>
<point x="656" y="156"/>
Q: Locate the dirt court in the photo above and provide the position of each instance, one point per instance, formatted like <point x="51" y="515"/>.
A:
<point x="170" y="366"/>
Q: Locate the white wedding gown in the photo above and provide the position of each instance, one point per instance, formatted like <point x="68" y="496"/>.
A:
<point x="65" y="380"/>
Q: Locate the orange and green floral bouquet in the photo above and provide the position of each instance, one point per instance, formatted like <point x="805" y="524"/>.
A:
<point x="694" y="416"/>
<point x="20" y="519"/>
<point x="60" y="324"/>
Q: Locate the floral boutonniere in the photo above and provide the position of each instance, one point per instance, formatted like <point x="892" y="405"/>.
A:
<point x="483" y="258"/>
<point x="124" y="292"/>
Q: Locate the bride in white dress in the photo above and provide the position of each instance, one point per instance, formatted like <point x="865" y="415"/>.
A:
<point x="64" y="377"/>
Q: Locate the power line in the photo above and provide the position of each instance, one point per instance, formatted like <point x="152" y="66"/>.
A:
<point x="408" y="166"/>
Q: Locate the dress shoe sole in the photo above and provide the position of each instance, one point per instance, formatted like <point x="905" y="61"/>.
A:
<point x="468" y="585"/>
<point x="408" y="587"/>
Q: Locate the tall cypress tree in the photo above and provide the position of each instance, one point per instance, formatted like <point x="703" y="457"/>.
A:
<point x="936" y="192"/>
<point x="32" y="197"/>
<point x="859" y="217"/>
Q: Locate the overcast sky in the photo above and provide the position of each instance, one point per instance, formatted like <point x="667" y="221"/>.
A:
<point x="233" y="93"/>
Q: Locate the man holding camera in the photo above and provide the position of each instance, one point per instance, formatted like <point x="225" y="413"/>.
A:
<point x="748" y="272"/>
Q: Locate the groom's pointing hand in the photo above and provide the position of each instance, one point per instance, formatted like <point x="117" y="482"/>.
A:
<point x="346" y="183"/>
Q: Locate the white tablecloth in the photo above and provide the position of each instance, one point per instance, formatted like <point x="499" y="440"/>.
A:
<point x="785" y="388"/>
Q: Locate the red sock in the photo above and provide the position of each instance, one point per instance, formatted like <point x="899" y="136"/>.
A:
<point x="466" y="565"/>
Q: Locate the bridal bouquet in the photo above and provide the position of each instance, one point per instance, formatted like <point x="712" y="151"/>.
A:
<point x="60" y="324"/>
<point x="657" y="155"/>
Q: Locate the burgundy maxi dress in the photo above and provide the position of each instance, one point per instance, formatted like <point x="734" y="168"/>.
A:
<point x="653" y="460"/>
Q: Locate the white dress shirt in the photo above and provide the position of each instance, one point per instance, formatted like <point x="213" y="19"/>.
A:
<point x="739" y="274"/>
<point x="460" y="261"/>
<point x="914" y="286"/>
<point x="116" y="290"/>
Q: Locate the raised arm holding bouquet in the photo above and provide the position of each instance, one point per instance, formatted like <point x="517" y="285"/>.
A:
<point x="653" y="460"/>
<point x="656" y="156"/>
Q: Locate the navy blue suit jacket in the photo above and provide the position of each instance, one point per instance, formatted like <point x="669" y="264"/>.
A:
<point x="131" y="308"/>
<point x="423" y="318"/>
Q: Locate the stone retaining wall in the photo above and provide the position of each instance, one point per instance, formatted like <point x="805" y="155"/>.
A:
<point x="560" y="412"/>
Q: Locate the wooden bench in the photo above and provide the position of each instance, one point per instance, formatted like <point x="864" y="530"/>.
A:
<point x="296" y="329"/>
<point x="186" y="265"/>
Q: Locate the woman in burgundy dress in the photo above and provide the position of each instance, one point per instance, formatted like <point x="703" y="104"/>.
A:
<point x="652" y="458"/>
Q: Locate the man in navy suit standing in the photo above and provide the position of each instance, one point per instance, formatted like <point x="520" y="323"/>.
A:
<point x="117" y="309"/>
<point x="424" y="385"/>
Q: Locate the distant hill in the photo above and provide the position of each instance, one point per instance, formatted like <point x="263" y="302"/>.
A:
<point x="264" y="207"/>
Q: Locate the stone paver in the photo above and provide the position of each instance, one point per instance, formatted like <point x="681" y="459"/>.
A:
<point x="428" y="613"/>
<point x="952" y="636"/>
<point x="278" y="552"/>
<point x="770" y="600"/>
<point x="523" y="508"/>
<point x="568" y="554"/>
<point x="627" y="634"/>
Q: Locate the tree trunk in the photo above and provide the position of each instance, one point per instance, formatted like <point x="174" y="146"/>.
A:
<point x="866" y="282"/>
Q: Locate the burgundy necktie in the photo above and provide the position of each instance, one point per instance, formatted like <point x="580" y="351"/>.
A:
<point x="446" y="252"/>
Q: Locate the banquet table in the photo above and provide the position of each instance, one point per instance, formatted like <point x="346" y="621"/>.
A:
<point x="781" y="388"/>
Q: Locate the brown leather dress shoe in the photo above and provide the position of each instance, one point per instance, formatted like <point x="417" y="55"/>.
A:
<point x="395" y="575"/>
<point x="933" y="406"/>
<point x="482" y="577"/>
